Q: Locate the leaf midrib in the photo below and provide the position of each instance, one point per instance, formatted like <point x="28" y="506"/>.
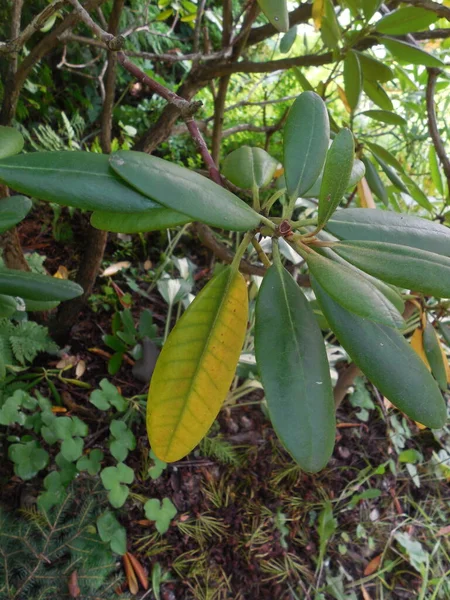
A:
<point x="203" y="352"/>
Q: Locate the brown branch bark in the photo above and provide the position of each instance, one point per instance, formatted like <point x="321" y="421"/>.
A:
<point x="9" y="241"/>
<point x="160" y="131"/>
<point x="432" y="123"/>
<point x="16" y="43"/>
<point x="36" y="54"/>
<point x="95" y="248"/>
<point x="12" y="60"/>
<point x="219" y="108"/>
<point x="440" y="9"/>
<point x="345" y="380"/>
<point x="198" y="25"/>
<point x="206" y="235"/>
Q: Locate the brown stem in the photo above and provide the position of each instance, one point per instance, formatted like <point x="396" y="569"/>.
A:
<point x="346" y="378"/>
<point x="201" y="145"/>
<point x="95" y="248"/>
<point x="198" y="25"/>
<point x="36" y="54"/>
<point x="92" y="259"/>
<point x="185" y="108"/>
<point x="19" y="40"/>
<point x="208" y="239"/>
<point x="432" y="123"/>
<point x="161" y="130"/>
<point x="219" y="108"/>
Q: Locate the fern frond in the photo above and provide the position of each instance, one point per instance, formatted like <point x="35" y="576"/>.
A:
<point x="216" y="447"/>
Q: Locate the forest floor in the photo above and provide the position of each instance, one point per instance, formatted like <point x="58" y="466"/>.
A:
<point x="250" y="525"/>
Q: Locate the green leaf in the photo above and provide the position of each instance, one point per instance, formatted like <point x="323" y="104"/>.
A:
<point x="352" y="79"/>
<point x="369" y="494"/>
<point x="72" y="448"/>
<point x="434" y="356"/>
<point x="181" y="189"/>
<point x="306" y="137"/>
<point x="146" y="326"/>
<point x="158" y="466"/>
<point x="357" y="173"/>
<point x="8" y="306"/>
<point x="13" y="210"/>
<point x="113" y="478"/>
<point x="152" y="220"/>
<point x="387" y="359"/>
<point x="330" y="30"/>
<point x="300" y="77"/>
<point x="411" y="456"/>
<point x="162" y="513"/>
<point x="35" y="305"/>
<point x="37" y="287"/>
<point x="373" y="69"/>
<point x="387" y="290"/>
<point x="110" y="530"/>
<point x="296" y="383"/>
<point x="336" y="174"/>
<point x="91" y="462"/>
<point x="288" y="39"/>
<point x="406" y="19"/>
<point x="353" y="291"/>
<point x="391" y="175"/>
<point x="374" y="181"/>
<point x="249" y="167"/>
<point x="108" y="396"/>
<point x="124" y="441"/>
<point x="370" y="7"/>
<point x="28" y="458"/>
<point x="416" y="193"/>
<point x="277" y="13"/>
<point x="392" y="228"/>
<point x="377" y="94"/>
<point x="445" y="330"/>
<point x="417" y="555"/>
<point x="11" y="141"/>
<point x="80" y="179"/>
<point x="435" y="170"/>
<point x="381" y="152"/>
<point x="408" y="53"/>
<point x="384" y="116"/>
<point x="327" y="526"/>
<point x="403" y="266"/>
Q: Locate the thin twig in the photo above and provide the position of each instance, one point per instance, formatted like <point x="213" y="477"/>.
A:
<point x="198" y="25"/>
<point x="19" y="40"/>
<point x="203" y="149"/>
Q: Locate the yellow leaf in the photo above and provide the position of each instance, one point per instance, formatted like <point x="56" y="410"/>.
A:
<point x="165" y="14"/>
<point x="61" y="273"/>
<point x="318" y="10"/>
<point x="365" y="195"/>
<point x="445" y="359"/>
<point x="417" y="346"/>
<point x="189" y="18"/>
<point x="196" y="367"/>
<point x="343" y="97"/>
